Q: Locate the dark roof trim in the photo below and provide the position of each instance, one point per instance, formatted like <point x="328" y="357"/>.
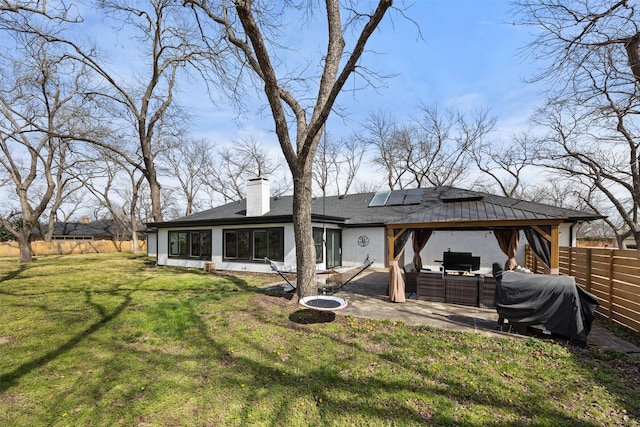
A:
<point x="249" y="220"/>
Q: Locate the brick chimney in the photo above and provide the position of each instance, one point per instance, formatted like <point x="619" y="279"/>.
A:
<point x="85" y="220"/>
<point x="258" y="196"/>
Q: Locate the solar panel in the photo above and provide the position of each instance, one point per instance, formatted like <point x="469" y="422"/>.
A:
<point x="380" y="198"/>
<point x="396" y="198"/>
<point x="414" y="196"/>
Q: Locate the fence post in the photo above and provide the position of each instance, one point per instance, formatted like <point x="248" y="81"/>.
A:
<point x="611" y="257"/>
<point x="588" y="273"/>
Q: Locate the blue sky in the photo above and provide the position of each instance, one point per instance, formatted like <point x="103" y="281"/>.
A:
<point x="469" y="58"/>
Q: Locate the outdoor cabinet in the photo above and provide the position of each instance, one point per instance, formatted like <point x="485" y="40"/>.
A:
<point x="410" y="279"/>
<point x="461" y="289"/>
<point x="486" y="291"/>
<point x="471" y="290"/>
<point x="430" y="287"/>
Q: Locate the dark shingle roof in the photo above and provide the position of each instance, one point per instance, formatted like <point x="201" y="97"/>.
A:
<point x="95" y="229"/>
<point x="437" y="204"/>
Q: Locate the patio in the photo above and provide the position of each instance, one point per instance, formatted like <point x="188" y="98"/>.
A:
<point x="367" y="298"/>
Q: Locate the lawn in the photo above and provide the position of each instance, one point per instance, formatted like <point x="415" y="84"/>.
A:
<point x="107" y="340"/>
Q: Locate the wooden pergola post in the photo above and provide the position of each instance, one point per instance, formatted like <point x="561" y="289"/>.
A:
<point x="391" y="241"/>
<point x="554" y="262"/>
<point x="392" y="236"/>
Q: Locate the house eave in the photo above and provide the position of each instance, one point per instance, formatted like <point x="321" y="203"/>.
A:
<point x="266" y="219"/>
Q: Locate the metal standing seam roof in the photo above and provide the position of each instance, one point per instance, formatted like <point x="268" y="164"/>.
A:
<point x="474" y="210"/>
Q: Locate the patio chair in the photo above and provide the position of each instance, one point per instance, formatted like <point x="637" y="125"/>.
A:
<point x="410" y="279"/>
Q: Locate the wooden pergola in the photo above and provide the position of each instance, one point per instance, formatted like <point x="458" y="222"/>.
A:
<point x="466" y="210"/>
<point x="396" y="228"/>
<point x="475" y="212"/>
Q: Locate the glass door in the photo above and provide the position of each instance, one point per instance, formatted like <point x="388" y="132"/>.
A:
<point x="334" y="248"/>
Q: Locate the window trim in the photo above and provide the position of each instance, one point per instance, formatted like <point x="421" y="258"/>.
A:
<point x="251" y="247"/>
<point x="188" y="249"/>
<point x="319" y="244"/>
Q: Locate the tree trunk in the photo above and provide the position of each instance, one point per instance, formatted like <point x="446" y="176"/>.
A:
<point x="24" y="243"/>
<point x="636" y="237"/>
<point x="134" y="241"/>
<point x="633" y="53"/>
<point x="305" y="249"/>
<point x="156" y="199"/>
<point x="620" y="241"/>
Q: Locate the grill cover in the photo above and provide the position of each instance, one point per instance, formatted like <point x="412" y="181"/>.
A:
<point x="555" y="302"/>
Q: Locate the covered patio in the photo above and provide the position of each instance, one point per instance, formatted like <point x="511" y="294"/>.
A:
<point x="468" y="212"/>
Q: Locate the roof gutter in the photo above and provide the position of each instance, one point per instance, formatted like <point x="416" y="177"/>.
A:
<point x="265" y="219"/>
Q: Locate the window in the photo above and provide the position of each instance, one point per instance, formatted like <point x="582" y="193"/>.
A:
<point x="236" y="244"/>
<point x="201" y="244"/>
<point x="254" y="244"/>
<point x="190" y="244"/>
<point x="318" y="241"/>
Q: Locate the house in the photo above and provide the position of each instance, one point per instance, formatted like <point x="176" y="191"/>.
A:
<point x="85" y="230"/>
<point x="349" y="229"/>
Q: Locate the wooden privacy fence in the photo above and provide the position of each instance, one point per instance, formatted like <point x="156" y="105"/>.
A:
<point x="613" y="275"/>
<point x="66" y="247"/>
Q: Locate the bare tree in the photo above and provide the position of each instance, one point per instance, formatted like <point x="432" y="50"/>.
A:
<point x="117" y="187"/>
<point x="43" y="109"/>
<point x="381" y="132"/>
<point x="506" y="165"/>
<point x="67" y="189"/>
<point x="601" y="155"/>
<point x="326" y="163"/>
<point x="247" y="28"/>
<point x="577" y="194"/>
<point x="168" y="43"/>
<point x="337" y="164"/>
<point x="442" y="141"/>
<point x="231" y="166"/>
<point x="187" y="161"/>
<point x="432" y="149"/>
<point x="591" y="54"/>
<point x="14" y="14"/>
<point x="353" y="152"/>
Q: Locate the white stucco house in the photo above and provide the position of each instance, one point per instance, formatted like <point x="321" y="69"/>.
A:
<point x="238" y="236"/>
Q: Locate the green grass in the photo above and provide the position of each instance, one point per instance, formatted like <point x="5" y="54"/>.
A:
<point x="108" y="340"/>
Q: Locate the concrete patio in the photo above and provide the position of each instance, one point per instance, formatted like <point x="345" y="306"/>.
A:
<point x="367" y="298"/>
